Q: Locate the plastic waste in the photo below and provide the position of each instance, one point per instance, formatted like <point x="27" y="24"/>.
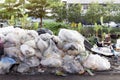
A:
<point x="41" y="45"/>
<point x="12" y="52"/>
<point x="9" y="44"/>
<point x="31" y="34"/>
<point x="47" y="53"/>
<point x="57" y="42"/>
<point x="103" y="50"/>
<point x="1" y="48"/>
<point x="2" y="38"/>
<point x="44" y="30"/>
<point x="72" y="48"/>
<point x="53" y="60"/>
<point x="71" y="65"/>
<point x="96" y="62"/>
<point x="38" y="54"/>
<point x="13" y="38"/>
<point x="45" y="36"/>
<point x="23" y="67"/>
<point x="52" y="56"/>
<point x="6" y="30"/>
<point x="27" y="51"/>
<point x="8" y="60"/>
<point x="31" y="43"/>
<point x="52" y="49"/>
<point x="32" y="61"/>
<point x="5" y="64"/>
<point x="71" y="36"/>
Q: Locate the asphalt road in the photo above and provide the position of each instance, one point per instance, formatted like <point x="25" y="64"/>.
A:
<point x="54" y="77"/>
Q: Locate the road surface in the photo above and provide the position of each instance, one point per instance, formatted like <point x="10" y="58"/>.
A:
<point x="54" y="77"/>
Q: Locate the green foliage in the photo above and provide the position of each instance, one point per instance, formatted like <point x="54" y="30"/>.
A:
<point x="109" y="29"/>
<point x="74" y="13"/>
<point x="80" y="27"/>
<point x="88" y="32"/>
<point x="59" y="11"/>
<point x="92" y="40"/>
<point x="35" y="25"/>
<point x="24" y="22"/>
<point x="101" y="19"/>
<point x="97" y="28"/>
<point x="9" y="8"/>
<point x="55" y="26"/>
<point x="94" y="12"/>
<point x="103" y="36"/>
<point x="70" y="13"/>
<point x="10" y="1"/>
<point x="37" y="8"/>
<point x="12" y="21"/>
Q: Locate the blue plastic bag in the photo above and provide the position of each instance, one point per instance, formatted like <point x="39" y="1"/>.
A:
<point x="8" y="60"/>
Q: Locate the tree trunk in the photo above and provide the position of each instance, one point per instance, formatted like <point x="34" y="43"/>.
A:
<point x="41" y="22"/>
<point x="96" y="33"/>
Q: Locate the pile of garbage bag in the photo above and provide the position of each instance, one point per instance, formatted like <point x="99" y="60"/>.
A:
<point x="28" y="49"/>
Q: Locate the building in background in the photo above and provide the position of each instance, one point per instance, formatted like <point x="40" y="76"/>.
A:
<point x="85" y="3"/>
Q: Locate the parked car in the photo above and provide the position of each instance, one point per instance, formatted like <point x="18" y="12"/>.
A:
<point x="118" y="25"/>
<point x="111" y="24"/>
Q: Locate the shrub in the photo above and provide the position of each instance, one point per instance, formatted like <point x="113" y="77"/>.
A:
<point x="55" y="26"/>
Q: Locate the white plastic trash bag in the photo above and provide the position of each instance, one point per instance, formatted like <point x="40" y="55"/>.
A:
<point x="71" y="36"/>
<point x="38" y="54"/>
<point x="52" y="49"/>
<point x="23" y="67"/>
<point x="57" y="42"/>
<point x="71" y="65"/>
<point x="32" y="61"/>
<point x="2" y="38"/>
<point x="27" y="51"/>
<point x="31" y="43"/>
<point x="12" y="52"/>
<point x="31" y="34"/>
<point x="96" y="62"/>
<point x="53" y="60"/>
<point x="13" y="38"/>
<point x="72" y="48"/>
<point x="6" y="30"/>
<point x="41" y="44"/>
<point x="45" y="36"/>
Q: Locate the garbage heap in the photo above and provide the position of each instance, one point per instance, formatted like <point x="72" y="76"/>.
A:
<point x="25" y="50"/>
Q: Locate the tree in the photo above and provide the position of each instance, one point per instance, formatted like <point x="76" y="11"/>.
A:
<point x="112" y="12"/>
<point x="58" y="10"/>
<point x="74" y="13"/>
<point x="9" y="8"/>
<point x="37" y="8"/>
<point x="94" y="13"/>
<point x="21" y="8"/>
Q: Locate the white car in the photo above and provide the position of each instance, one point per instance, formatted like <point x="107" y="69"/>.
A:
<point x="112" y="24"/>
